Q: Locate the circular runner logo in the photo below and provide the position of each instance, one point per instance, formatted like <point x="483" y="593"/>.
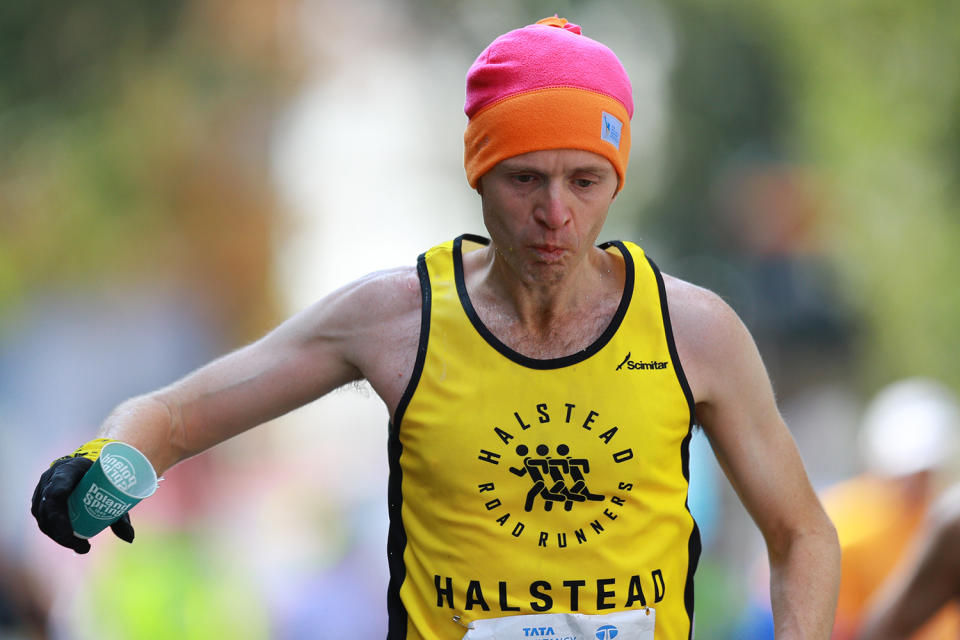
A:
<point x="556" y="475"/>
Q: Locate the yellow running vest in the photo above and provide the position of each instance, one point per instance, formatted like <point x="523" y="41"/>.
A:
<point x="522" y="486"/>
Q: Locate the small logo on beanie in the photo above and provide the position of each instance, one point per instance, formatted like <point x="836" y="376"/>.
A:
<point x="610" y="131"/>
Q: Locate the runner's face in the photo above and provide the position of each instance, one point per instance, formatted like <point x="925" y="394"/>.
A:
<point x="544" y="209"/>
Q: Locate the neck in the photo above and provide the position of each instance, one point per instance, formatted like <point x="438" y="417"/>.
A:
<point x="565" y="308"/>
<point x="539" y="300"/>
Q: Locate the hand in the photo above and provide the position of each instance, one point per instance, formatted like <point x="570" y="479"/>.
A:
<point x="50" y="504"/>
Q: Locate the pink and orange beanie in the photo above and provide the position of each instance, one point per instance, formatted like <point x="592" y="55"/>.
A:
<point x="546" y="86"/>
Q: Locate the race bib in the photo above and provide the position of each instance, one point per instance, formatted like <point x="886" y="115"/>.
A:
<point x="636" y="624"/>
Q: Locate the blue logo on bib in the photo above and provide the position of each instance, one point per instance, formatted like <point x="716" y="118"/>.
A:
<point x="607" y="631"/>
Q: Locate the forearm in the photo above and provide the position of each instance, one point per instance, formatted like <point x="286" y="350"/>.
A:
<point x="151" y="424"/>
<point x="192" y="415"/>
<point x="804" y="583"/>
<point x="220" y="400"/>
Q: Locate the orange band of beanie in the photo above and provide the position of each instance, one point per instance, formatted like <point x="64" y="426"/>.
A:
<point x="549" y="118"/>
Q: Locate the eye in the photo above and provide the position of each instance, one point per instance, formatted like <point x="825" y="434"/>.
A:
<point x="523" y="178"/>
<point x="584" y="183"/>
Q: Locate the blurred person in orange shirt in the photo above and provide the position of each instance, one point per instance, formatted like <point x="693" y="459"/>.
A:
<point x="927" y="584"/>
<point x="907" y="439"/>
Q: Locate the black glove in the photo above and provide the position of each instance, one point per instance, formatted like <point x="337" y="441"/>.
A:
<point x="50" y="503"/>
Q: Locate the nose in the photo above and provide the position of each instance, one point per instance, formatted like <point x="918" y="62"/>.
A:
<point x="553" y="211"/>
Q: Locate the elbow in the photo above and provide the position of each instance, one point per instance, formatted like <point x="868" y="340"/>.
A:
<point x="832" y="544"/>
<point x="815" y="539"/>
<point x="826" y="530"/>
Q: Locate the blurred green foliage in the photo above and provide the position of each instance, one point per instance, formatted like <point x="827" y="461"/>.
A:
<point x="877" y="86"/>
<point x="61" y="66"/>
<point x="118" y="125"/>
<point x="863" y="97"/>
<point x="57" y="56"/>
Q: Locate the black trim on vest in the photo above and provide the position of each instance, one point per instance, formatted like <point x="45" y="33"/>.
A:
<point x="693" y="544"/>
<point x="397" y="535"/>
<point x="519" y="358"/>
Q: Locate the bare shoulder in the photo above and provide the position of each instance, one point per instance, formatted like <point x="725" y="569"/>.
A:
<point x="381" y="295"/>
<point x="367" y="329"/>
<point x="694" y="308"/>
<point x="704" y="325"/>
<point x="713" y="344"/>
<point x="370" y="303"/>
<point x="380" y="316"/>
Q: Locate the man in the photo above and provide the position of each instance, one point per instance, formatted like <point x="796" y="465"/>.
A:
<point x="540" y="415"/>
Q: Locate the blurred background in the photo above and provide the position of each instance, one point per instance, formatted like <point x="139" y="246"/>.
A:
<point x="177" y="177"/>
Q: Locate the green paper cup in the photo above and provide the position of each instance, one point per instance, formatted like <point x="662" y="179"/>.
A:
<point x="120" y="478"/>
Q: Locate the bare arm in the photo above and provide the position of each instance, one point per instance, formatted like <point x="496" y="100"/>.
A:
<point x="361" y="330"/>
<point x="929" y="579"/>
<point x="736" y="407"/>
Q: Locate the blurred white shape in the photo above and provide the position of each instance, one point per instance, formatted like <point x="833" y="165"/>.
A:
<point x="910" y="426"/>
<point x="369" y="157"/>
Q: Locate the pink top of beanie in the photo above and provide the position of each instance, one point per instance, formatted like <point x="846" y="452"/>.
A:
<point x="551" y="53"/>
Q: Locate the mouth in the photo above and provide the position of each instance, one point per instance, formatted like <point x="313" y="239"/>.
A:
<point x="548" y="252"/>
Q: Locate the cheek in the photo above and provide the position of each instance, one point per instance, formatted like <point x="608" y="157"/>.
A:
<point x="502" y="234"/>
<point x="590" y="224"/>
<point x="499" y="221"/>
<point x="600" y="218"/>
